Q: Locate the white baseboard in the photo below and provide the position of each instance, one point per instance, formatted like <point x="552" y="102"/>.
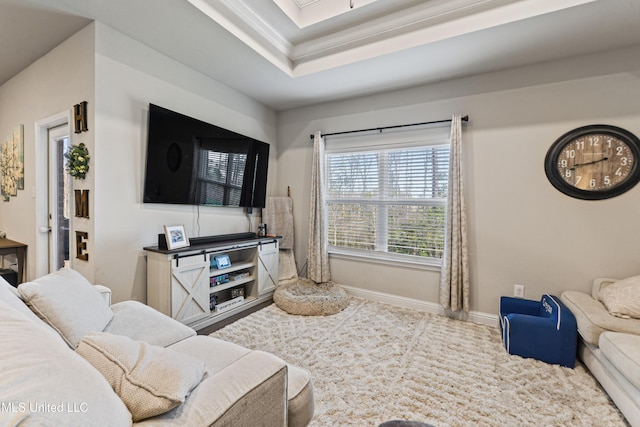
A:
<point x="426" y="306"/>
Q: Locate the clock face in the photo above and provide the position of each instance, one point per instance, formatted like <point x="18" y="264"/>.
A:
<point x="594" y="162"/>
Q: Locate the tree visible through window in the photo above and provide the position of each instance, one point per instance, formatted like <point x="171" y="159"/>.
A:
<point x="220" y="178"/>
<point x="389" y="201"/>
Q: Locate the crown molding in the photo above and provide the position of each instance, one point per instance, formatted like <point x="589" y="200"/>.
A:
<point x="245" y="24"/>
<point x="302" y="3"/>
<point x="420" y="25"/>
<point x="243" y="10"/>
<point x="425" y="23"/>
<point x="310" y="12"/>
<point x="401" y="22"/>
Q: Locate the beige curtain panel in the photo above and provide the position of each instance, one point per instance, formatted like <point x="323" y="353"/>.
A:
<point x="318" y="265"/>
<point x="454" y="278"/>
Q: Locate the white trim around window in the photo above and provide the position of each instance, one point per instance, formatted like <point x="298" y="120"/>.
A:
<point x="375" y="181"/>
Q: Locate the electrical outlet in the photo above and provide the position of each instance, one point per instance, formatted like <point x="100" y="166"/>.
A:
<point x="518" y="291"/>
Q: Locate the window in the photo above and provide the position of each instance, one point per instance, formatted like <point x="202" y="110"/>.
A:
<point x="388" y="203"/>
<point x="220" y="178"/>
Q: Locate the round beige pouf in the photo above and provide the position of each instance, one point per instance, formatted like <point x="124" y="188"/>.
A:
<point x="307" y="298"/>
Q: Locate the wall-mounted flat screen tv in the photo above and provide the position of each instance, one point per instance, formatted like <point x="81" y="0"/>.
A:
<point x="196" y="163"/>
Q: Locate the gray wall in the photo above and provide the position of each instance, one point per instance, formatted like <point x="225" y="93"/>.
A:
<point x="119" y="77"/>
<point x="521" y="229"/>
<point x="49" y="86"/>
<point x="129" y="76"/>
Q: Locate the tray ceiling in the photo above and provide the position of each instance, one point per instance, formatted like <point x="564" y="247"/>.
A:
<point x="305" y="37"/>
<point x="290" y="53"/>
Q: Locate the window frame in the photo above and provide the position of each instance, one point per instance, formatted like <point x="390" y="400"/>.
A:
<point x="412" y="140"/>
<point x="225" y="186"/>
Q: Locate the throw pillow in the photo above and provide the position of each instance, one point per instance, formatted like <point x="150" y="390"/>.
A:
<point x="149" y="379"/>
<point x="68" y="303"/>
<point x="11" y="296"/>
<point x="44" y="383"/>
<point x="622" y="298"/>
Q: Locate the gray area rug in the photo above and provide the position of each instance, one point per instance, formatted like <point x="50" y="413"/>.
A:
<point x="374" y="362"/>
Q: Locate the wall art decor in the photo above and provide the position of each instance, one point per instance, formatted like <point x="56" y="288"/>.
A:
<point x="78" y="161"/>
<point x="80" y="117"/>
<point x="12" y="164"/>
<point x="176" y="236"/>
<point x="82" y="238"/>
<point x="18" y="143"/>
<point x="82" y="203"/>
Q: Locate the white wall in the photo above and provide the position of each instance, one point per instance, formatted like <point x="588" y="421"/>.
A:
<point x="129" y="76"/>
<point x="52" y="84"/>
<point x="521" y="229"/>
<point x="119" y="77"/>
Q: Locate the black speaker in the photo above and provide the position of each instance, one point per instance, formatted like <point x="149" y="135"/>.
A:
<point x="10" y="276"/>
<point x="162" y="241"/>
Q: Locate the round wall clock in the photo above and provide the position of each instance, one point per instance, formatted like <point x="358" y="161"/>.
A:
<point x="594" y="162"/>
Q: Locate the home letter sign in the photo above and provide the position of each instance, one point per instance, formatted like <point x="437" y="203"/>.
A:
<point x="81" y="245"/>
<point x="82" y="203"/>
<point x="80" y="117"/>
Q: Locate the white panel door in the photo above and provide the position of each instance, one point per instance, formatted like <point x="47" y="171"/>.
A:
<point x="190" y="288"/>
<point x="267" y="267"/>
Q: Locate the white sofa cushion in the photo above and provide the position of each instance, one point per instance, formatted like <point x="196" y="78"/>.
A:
<point x="251" y="384"/>
<point x="150" y="380"/>
<point x="44" y="383"/>
<point x="141" y="322"/>
<point x="300" y="405"/>
<point x="219" y="355"/>
<point x="622" y="298"/>
<point x="68" y="303"/>
<point x="593" y="318"/>
<point x="215" y="353"/>
<point x="11" y="296"/>
<point x="623" y="351"/>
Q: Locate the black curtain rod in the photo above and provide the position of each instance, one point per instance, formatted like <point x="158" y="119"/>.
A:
<point x="380" y="129"/>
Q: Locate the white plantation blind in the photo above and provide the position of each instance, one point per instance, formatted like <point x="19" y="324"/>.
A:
<point x="389" y="200"/>
<point x="220" y="179"/>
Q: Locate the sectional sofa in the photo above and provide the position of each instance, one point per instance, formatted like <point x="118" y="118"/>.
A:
<point x="69" y="357"/>
<point x="609" y="338"/>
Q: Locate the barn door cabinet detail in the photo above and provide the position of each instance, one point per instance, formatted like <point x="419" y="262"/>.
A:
<point x="206" y="283"/>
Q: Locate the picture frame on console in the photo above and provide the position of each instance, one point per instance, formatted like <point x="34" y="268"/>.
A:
<point x="176" y="236"/>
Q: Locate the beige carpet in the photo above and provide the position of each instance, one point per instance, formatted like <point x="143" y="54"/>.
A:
<point x="374" y="362"/>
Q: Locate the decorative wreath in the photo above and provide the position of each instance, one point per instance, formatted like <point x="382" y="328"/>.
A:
<point x="78" y="161"/>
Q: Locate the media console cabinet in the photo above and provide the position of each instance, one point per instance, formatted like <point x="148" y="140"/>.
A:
<point x="191" y="287"/>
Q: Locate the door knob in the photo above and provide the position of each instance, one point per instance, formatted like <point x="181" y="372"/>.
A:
<point x="45" y="229"/>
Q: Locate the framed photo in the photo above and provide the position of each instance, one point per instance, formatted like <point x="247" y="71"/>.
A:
<point x="237" y="292"/>
<point x="222" y="261"/>
<point x="176" y="236"/>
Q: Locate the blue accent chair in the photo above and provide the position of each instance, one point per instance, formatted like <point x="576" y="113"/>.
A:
<point x="545" y="330"/>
